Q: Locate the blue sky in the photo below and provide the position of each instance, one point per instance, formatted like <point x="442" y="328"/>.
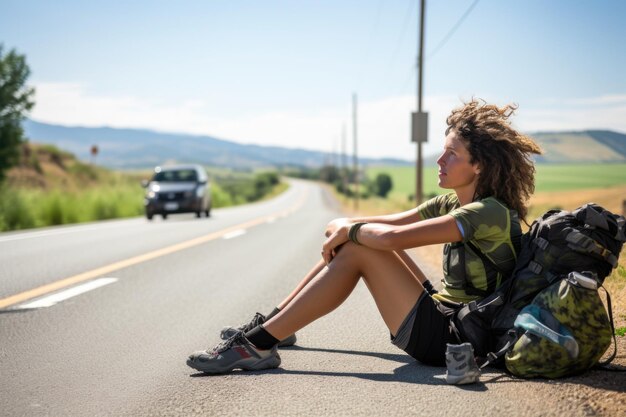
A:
<point x="283" y="72"/>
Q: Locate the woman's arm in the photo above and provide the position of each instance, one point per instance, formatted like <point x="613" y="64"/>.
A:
<point x="442" y="229"/>
<point x="403" y="218"/>
<point x="391" y="237"/>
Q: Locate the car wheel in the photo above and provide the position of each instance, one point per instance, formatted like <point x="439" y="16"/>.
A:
<point x="164" y="216"/>
<point x="198" y="214"/>
<point x="149" y="216"/>
<point x="207" y="213"/>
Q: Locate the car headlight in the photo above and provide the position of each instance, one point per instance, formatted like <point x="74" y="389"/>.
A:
<point x="151" y="195"/>
<point x="200" y="192"/>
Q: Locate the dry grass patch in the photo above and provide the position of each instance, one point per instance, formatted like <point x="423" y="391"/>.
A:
<point x="611" y="199"/>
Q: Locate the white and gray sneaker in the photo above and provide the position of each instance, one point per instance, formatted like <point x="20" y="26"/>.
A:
<point x="462" y="367"/>
<point x="229" y="331"/>
<point x="235" y="353"/>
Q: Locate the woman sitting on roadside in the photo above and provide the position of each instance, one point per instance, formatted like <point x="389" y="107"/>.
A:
<point x="486" y="163"/>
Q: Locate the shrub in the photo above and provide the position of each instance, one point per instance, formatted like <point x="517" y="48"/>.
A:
<point x="15" y="212"/>
<point x="56" y="155"/>
<point x="219" y="197"/>
<point x="52" y="209"/>
<point x="104" y="207"/>
<point x="84" y="171"/>
<point x="384" y="184"/>
<point x="33" y="161"/>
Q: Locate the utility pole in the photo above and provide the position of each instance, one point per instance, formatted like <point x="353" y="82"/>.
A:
<point x="355" y="161"/>
<point x="419" y="124"/>
<point x="344" y="160"/>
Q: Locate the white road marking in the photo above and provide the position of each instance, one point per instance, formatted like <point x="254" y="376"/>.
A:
<point x="271" y="219"/>
<point x="55" y="298"/>
<point x="60" y="231"/>
<point x="234" y="234"/>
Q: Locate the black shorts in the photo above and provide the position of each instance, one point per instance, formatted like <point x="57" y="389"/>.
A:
<point x="430" y="327"/>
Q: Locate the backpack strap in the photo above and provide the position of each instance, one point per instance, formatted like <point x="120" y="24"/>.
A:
<point x="604" y="364"/>
<point x="491" y="283"/>
<point x="492" y="357"/>
<point x="484" y="258"/>
<point x="581" y="243"/>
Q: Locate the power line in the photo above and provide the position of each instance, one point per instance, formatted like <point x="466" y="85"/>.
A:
<point x="405" y="24"/>
<point x="454" y="28"/>
<point x="410" y="70"/>
<point x="372" y="35"/>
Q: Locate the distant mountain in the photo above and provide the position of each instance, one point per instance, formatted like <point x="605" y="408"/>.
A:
<point x="589" y="146"/>
<point x="585" y="146"/>
<point x="138" y="148"/>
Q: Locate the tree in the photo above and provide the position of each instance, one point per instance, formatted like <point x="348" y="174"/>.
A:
<point x="384" y="184"/>
<point x="329" y="174"/>
<point x="15" y="101"/>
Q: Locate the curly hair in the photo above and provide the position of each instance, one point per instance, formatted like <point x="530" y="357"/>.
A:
<point x="507" y="171"/>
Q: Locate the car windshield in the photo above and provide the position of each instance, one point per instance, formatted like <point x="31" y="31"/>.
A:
<point x="176" y="176"/>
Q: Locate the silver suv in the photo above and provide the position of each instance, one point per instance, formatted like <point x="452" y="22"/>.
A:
<point x="178" y="189"/>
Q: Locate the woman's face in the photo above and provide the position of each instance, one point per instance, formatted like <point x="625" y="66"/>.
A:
<point x="455" y="170"/>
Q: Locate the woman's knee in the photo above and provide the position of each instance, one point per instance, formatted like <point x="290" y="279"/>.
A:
<point x="360" y="256"/>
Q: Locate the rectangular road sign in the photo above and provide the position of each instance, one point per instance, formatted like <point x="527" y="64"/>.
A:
<point x="419" y="127"/>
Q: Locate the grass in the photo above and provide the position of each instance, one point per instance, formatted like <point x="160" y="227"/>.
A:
<point x="26" y="208"/>
<point x="549" y="177"/>
<point x="583" y="176"/>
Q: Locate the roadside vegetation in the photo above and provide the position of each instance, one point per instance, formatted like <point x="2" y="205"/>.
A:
<point x="49" y="186"/>
<point x="550" y="178"/>
<point x="230" y="187"/>
<point x="344" y="181"/>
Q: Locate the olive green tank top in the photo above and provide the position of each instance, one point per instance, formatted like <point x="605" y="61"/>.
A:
<point x="492" y="228"/>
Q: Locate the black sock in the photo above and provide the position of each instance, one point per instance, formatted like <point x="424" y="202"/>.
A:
<point x="272" y="314"/>
<point x="428" y="286"/>
<point x="261" y="338"/>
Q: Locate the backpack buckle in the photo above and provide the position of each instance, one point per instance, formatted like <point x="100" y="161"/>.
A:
<point x="535" y="267"/>
<point x="541" y="242"/>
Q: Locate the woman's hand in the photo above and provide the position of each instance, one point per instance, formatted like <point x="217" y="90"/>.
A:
<point x="337" y="238"/>
<point x="336" y="224"/>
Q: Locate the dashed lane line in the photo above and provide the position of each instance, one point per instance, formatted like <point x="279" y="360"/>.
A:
<point x="50" y="300"/>
<point x="234" y="234"/>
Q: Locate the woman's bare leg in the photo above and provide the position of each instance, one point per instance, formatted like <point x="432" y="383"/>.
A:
<point x="307" y="278"/>
<point x="408" y="261"/>
<point x="392" y="284"/>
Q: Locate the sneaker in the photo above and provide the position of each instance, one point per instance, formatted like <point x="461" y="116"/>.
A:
<point x="235" y="353"/>
<point x="462" y="368"/>
<point x="228" y="332"/>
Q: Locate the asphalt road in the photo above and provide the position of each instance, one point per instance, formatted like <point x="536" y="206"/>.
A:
<point x="120" y="348"/>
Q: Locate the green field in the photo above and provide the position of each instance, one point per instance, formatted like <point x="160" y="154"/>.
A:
<point x="549" y="177"/>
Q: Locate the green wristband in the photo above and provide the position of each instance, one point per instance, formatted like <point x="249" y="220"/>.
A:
<point x="352" y="233"/>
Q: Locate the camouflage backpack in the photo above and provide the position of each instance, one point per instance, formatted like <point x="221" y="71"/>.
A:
<point x="587" y="240"/>
<point x="564" y="331"/>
